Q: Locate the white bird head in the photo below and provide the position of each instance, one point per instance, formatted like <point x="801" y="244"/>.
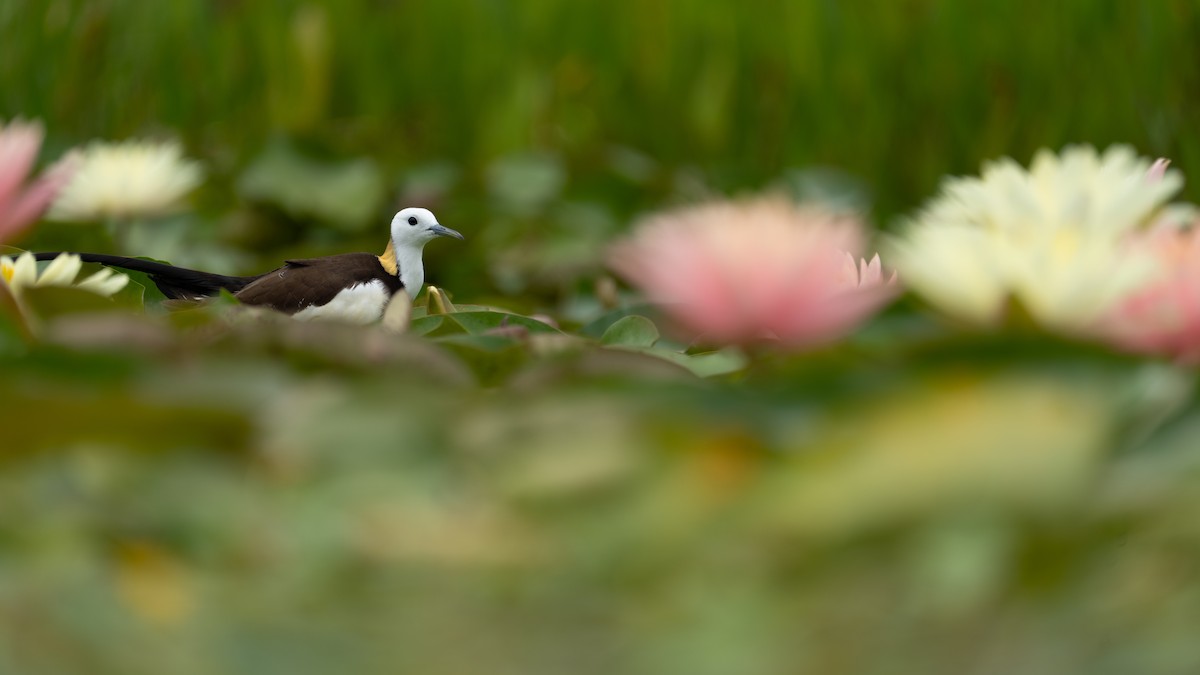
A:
<point x="412" y="228"/>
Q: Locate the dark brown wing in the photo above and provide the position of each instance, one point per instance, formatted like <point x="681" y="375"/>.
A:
<point x="314" y="282"/>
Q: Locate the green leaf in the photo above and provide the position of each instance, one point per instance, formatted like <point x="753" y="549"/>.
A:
<point x="14" y="330"/>
<point x="492" y="357"/>
<point x="151" y="297"/>
<point x="50" y="301"/>
<point x="345" y="194"/>
<point x="424" y="325"/>
<point x="712" y="364"/>
<point x="132" y="296"/>
<point x="477" y="323"/>
<point x="708" y="364"/>
<point x="485" y="343"/>
<point x="225" y="298"/>
<point x="631" y="331"/>
<point x="526" y="183"/>
<point x="596" y="328"/>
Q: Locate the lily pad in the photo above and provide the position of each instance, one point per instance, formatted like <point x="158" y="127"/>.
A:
<point x="492" y="357"/>
<point x="53" y="301"/>
<point x="477" y="323"/>
<point x="707" y="364"/>
<point x="344" y="194"/>
<point x="596" y="328"/>
<point x="424" y="325"/>
<point x="631" y="331"/>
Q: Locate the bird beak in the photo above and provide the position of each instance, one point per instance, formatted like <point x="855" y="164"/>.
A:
<point x="445" y="232"/>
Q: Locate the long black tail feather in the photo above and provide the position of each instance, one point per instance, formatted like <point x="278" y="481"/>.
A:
<point x="177" y="283"/>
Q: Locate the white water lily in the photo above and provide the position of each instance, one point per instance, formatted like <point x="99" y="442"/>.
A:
<point x="22" y="273"/>
<point x="126" y="180"/>
<point x="1050" y="237"/>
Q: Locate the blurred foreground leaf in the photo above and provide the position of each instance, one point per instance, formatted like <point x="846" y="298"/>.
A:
<point x="1022" y="441"/>
<point x="492" y="357"/>
<point x="116" y="418"/>
<point x="47" y="302"/>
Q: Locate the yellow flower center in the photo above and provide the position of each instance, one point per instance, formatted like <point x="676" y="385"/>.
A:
<point x="7" y="271"/>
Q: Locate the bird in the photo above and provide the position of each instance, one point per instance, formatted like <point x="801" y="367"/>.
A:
<point x="347" y="287"/>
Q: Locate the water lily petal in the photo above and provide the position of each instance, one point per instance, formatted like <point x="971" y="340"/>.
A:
<point x="1050" y="236"/>
<point x="126" y="180"/>
<point x="27" y="206"/>
<point x="19" y="143"/>
<point x="104" y="282"/>
<point x="737" y="272"/>
<point x="24" y="272"/>
<point x="61" y="271"/>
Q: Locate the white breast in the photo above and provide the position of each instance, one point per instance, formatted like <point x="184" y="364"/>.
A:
<point x="361" y="304"/>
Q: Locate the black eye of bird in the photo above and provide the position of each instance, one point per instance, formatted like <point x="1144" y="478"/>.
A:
<point x="412" y="220"/>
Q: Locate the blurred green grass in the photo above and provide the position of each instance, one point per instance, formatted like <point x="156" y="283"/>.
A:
<point x="929" y="86"/>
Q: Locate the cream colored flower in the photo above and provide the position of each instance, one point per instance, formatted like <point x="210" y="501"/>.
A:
<point x="1050" y="237"/>
<point x="62" y="271"/>
<point x="126" y="180"/>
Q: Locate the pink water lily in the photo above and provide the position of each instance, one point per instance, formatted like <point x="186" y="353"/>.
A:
<point x="21" y="202"/>
<point x="1162" y="315"/>
<point x="1158" y="170"/>
<point x="763" y="270"/>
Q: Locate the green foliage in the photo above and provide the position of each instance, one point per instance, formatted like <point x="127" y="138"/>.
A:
<point x="272" y="496"/>
<point x="631" y="331"/>
<point x="346" y="195"/>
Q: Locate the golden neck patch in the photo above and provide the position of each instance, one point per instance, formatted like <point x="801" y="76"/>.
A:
<point x="388" y="259"/>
